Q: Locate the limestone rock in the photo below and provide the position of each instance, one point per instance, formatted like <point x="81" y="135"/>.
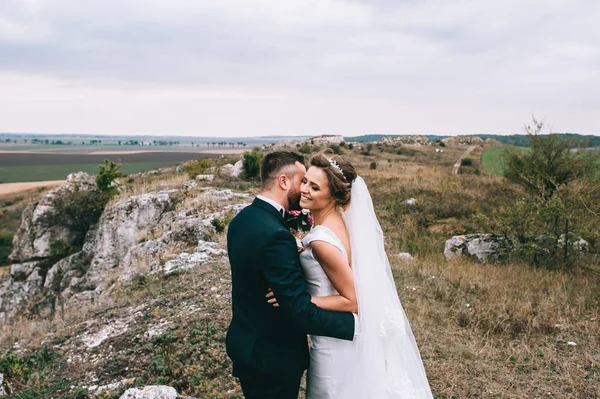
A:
<point x="204" y="252"/>
<point x="16" y="295"/>
<point x="205" y="177"/>
<point x="485" y="247"/>
<point x="458" y="141"/>
<point x="35" y="237"/>
<point x="150" y="392"/>
<point x="237" y="169"/>
<point x="2" y="390"/>
<point x="405" y="256"/>
<point x="416" y="140"/>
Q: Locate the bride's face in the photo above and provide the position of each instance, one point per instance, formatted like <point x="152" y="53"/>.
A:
<point x="314" y="191"/>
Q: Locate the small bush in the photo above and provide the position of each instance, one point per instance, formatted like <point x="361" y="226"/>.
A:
<point x="373" y="165"/>
<point x="466" y="162"/>
<point x="109" y="172"/>
<point x="305" y="149"/>
<point x="198" y="167"/>
<point x="222" y="222"/>
<point x="78" y="211"/>
<point x="251" y="164"/>
<point x="366" y="153"/>
<point x="350" y="146"/>
<point x="336" y="149"/>
<point x="5" y="247"/>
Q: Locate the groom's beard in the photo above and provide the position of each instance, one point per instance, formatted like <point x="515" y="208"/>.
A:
<point x="294" y="200"/>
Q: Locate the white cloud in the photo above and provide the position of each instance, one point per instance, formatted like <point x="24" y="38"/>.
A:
<point x="299" y="66"/>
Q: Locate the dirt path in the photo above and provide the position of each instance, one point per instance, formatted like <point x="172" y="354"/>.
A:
<point x="12" y="188"/>
<point x="463" y="156"/>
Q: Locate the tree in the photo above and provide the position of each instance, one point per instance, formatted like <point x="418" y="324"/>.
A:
<point x="562" y="202"/>
<point x="550" y="165"/>
<point x="109" y="172"/>
<point x="251" y="164"/>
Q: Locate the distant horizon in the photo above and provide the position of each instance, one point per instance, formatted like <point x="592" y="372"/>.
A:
<point x="304" y="136"/>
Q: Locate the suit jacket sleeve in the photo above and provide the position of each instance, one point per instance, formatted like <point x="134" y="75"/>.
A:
<point x="282" y="271"/>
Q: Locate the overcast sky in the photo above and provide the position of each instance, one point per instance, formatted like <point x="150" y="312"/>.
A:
<point x="286" y="67"/>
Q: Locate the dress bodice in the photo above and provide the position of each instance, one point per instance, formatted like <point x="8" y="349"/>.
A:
<point x="317" y="283"/>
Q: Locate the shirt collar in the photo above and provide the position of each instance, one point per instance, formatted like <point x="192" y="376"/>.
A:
<point x="275" y="204"/>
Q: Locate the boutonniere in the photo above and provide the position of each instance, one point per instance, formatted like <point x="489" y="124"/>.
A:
<point x="300" y="223"/>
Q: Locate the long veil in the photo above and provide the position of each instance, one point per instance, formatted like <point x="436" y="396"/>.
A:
<point x="388" y="363"/>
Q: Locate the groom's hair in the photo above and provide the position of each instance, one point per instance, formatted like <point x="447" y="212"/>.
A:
<point x="273" y="165"/>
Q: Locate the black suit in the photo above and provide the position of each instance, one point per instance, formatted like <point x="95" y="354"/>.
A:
<point x="268" y="345"/>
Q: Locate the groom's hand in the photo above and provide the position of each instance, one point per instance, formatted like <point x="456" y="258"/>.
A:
<point x="271" y="298"/>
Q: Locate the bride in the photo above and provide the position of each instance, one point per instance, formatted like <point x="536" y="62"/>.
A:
<point x="346" y="269"/>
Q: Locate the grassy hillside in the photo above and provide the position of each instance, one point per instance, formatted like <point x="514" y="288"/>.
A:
<point x="484" y="330"/>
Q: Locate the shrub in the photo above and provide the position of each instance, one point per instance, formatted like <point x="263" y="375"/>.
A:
<point x="109" y="172"/>
<point x="336" y="149"/>
<point x="350" y="146"/>
<point x="5" y="247"/>
<point x="373" y="165"/>
<point x="251" y="164"/>
<point x="305" y="149"/>
<point x="198" y="167"/>
<point x="222" y="222"/>
<point x="366" y="153"/>
<point x="466" y="162"/>
<point x="78" y="211"/>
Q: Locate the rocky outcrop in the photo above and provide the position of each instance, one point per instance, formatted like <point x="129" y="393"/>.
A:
<point x="416" y="140"/>
<point x="323" y="141"/>
<point x="136" y="235"/>
<point x="459" y="141"/>
<point x="484" y="247"/>
<point x="36" y="235"/>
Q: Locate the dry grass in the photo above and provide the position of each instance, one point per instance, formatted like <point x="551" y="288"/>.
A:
<point x="484" y="330"/>
<point x="503" y="330"/>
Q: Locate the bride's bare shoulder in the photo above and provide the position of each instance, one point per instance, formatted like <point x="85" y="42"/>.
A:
<point x="336" y="224"/>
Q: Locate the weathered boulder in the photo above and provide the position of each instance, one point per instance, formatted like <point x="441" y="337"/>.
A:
<point x="205" y="177"/>
<point x="484" y="247"/>
<point x="150" y="392"/>
<point x="16" y="295"/>
<point x="237" y="169"/>
<point x="2" y="390"/>
<point x="35" y="236"/>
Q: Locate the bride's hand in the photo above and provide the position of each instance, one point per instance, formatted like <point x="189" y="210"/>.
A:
<point x="271" y="298"/>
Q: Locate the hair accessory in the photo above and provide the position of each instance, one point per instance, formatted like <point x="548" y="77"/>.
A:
<point x="335" y="165"/>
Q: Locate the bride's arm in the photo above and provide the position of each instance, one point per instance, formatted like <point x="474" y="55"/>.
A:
<point x="335" y="265"/>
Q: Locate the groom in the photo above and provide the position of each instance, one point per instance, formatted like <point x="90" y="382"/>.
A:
<point x="268" y="345"/>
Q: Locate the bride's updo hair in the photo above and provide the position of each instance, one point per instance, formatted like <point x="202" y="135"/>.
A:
<point x="340" y="178"/>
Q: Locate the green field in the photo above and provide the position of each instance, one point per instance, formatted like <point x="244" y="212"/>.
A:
<point x="492" y="161"/>
<point x="14" y="174"/>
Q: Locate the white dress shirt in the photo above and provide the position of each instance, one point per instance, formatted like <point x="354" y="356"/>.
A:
<point x="275" y="204"/>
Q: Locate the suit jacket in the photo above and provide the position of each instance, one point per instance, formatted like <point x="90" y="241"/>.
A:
<point x="263" y="254"/>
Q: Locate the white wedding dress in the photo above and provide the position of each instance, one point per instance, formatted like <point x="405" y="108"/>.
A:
<point x="383" y="361"/>
<point x="329" y="357"/>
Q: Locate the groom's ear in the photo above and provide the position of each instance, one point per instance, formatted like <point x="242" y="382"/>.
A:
<point x="284" y="182"/>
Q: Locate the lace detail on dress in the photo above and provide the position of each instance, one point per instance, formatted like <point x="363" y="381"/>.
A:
<point x="393" y="323"/>
<point x="402" y="387"/>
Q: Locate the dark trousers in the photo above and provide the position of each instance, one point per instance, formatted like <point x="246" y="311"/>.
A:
<point x="268" y="386"/>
